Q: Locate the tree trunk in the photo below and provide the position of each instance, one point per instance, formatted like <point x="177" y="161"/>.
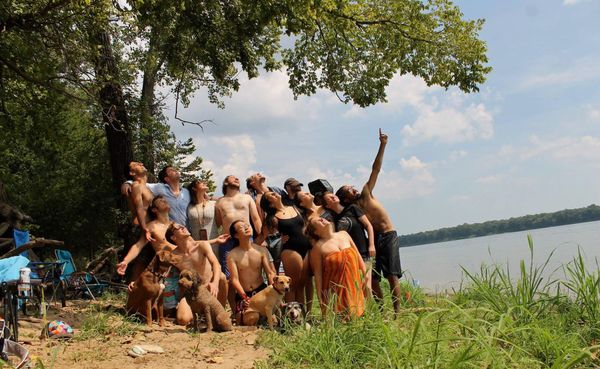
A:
<point x="114" y="113"/>
<point x="148" y="111"/>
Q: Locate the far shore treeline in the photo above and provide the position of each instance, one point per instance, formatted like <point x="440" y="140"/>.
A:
<point x="568" y="216"/>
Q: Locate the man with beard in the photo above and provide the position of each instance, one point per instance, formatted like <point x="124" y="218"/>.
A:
<point x="233" y="206"/>
<point x="140" y="197"/>
<point x="170" y="187"/>
<point x="387" y="260"/>
<point x="177" y="196"/>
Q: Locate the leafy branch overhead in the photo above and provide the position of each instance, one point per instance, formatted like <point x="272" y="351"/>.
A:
<point x="352" y="48"/>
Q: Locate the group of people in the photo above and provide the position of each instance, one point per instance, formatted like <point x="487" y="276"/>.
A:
<point x="344" y="241"/>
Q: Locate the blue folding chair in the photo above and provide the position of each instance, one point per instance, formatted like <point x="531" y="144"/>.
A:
<point x="83" y="284"/>
<point x="20" y="238"/>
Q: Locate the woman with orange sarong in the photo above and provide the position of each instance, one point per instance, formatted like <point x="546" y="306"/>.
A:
<point x="339" y="270"/>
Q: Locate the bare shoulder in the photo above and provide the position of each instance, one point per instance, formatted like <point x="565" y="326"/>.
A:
<point x="136" y="187"/>
<point x="366" y="192"/>
<point x="203" y="245"/>
<point x="235" y="253"/>
<point x="261" y="249"/>
<point x="342" y="236"/>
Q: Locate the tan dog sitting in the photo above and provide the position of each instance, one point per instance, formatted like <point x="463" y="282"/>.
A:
<point x="264" y="302"/>
<point x="146" y="292"/>
<point x="202" y="302"/>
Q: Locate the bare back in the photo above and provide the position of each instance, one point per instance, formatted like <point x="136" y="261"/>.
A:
<point x="232" y="208"/>
<point x="250" y="264"/>
<point x="377" y="215"/>
<point x="140" y="196"/>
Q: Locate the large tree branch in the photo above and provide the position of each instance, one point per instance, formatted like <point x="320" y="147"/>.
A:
<point x="42" y="83"/>
<point x="361" y="23"/>
<point x="30" y="20"/>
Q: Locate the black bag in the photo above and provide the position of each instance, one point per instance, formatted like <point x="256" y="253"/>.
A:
<point x="319" y="187"/>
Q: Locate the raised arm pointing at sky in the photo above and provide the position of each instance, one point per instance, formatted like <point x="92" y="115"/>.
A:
<point x="387" y="260"/>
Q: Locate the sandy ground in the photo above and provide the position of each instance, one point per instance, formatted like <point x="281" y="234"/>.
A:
<point x="183" y="349"/>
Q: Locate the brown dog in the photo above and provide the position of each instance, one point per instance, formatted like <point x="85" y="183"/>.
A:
<point x="146" y="292"/>
<point x="202" y="302"/>
<point x="264" y="302"/>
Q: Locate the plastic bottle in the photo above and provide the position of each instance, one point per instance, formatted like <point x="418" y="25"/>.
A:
<point x="24" y="286"/>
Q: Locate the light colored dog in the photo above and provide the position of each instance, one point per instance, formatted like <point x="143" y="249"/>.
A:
<point x="146" y="291"/>
<point x="264" y="302"/>
<point x="202" y="302"/>
<point x="292" y="313"/>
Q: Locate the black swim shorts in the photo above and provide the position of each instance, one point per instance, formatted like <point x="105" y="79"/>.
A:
<point x="387" y="259"/>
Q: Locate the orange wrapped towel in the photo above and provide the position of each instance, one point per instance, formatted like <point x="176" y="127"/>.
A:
<point x="342" y="281"/>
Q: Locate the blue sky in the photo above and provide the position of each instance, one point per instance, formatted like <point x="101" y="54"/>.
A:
<point x="529" y="142"/>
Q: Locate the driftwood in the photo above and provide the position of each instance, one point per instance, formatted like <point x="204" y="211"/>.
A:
<point x="13" y="216"/>
<point x="100" y="261"/>
<point x="37" y="243"/>
<point x="4" y="227"/>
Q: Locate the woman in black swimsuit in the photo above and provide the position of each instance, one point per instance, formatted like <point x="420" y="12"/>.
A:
<point x="296" y="245"/>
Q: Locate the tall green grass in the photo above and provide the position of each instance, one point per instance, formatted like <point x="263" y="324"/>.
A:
<point x="496" y="320"/>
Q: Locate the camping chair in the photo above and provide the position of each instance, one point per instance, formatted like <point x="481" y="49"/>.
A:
<point x="44" y="275"/>
<point x="82" y="283"/>
<point x="9" y="279"/>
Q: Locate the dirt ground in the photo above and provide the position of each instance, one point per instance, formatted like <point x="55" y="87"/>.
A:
<point x="182" y="348"/>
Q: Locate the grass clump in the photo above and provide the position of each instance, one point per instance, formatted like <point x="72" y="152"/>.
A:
<point x="496" y="320"/>
<point x="102" y="321"/>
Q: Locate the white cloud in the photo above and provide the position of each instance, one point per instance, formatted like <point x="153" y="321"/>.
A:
<point x="450" y="124"/>
<point x="573" y="2"/>
<point x="577" y="149"/>
<point x="262" y="104"/>
<point x="396" y="186"/>
<point x="237" y="156"/>
<point x="444" y="116"/>
<point x="492" y="179"/>
<point x="457" y="154"/>
<point x="412" y="164"/>
<point x="593" y="112"/>
<point x="581" y="70"/>
<point x="416" y="181"/>
<point x="460" y="198"/>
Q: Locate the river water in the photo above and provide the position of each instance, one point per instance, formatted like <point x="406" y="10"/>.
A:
<point x="437" y="267"/>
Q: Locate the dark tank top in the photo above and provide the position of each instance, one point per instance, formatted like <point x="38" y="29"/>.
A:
<point x="294" y="229"/>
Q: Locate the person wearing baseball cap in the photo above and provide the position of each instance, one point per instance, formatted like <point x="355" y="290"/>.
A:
<point x="292" y="186"/>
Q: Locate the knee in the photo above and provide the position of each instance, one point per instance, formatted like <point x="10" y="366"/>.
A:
<point x="394" y="281"/>
<point x="184" y="317"/>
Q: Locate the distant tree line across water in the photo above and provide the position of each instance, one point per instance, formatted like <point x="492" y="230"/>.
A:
<point x="543" y="220"/>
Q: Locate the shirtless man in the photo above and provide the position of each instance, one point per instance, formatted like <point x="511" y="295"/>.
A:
<point x="196" y="256"/>
<point x="387" y="261"/>
<point x="140" y="197"/>
<point x="157" y="227"/>
<point x="247" y="263"/>
<point x="229" y="208"/>
<point x="171" y="189"/>
<point x="159" y="209"/>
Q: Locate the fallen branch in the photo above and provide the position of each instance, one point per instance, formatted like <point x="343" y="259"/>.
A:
<point x="37" y="243"/>
<point x="100" y="261"/>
